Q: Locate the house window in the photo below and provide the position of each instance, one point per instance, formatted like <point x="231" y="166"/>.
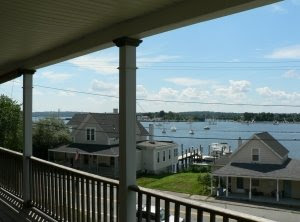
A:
<point x="169" y="154"/>
<point x="158" y="157"/>
<point x="240" y="183"/>
<point x="255" y="154"/>
<point x="164" y="156"/>
<point x="255" y="182"/>
<point x="175" y="152"/>
<point x="90" y="134"/>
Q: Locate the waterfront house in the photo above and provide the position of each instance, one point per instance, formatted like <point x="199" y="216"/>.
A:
<point x="260" y="167"/>
<point x="95" y="147"/>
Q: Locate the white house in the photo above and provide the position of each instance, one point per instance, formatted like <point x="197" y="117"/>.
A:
<point x="260" y="167"/>
<point x="95" y="147"/>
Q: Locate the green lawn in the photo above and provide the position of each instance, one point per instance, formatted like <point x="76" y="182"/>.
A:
<point x="186" y="182"/>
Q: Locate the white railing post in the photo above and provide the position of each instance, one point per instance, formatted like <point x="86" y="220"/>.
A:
<point x="27" y="133"/>
<point x="250" y="188"/>
<point x="127" y="121"/>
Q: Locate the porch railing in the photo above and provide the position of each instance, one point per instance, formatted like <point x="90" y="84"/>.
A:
<point x="66" y="194"/>
<point x="11" y="171"/>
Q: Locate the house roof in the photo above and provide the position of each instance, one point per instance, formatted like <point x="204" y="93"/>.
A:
<point x="39" y="33"/>
<point x="109" y="122"/>
<point x="272" y="143"/>
<point x="89" y="149"/>
<point x="77" y="119"/>
<point x="222" y="161"/>
<point x="290" y="170"/>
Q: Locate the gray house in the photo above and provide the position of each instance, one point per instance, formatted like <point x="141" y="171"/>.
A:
<point x="95" y="147"/>
<point x="260" y="167"/>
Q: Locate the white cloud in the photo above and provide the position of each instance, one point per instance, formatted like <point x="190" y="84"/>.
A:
<point x="168" y="93"/>
<point x="236" y="89"/>
<point x="102" y="64"/>
<point x="290" y="52"/>
<point x="277" y="8"/>
<point x="278" y="94"/>
<point x="184" y="81"/>
<point x="67" y="93"/>
<point x="193" y="93"/>
<point x="149" y="60"/>
<point x="291" y="74"/>
<point x="105" y="87"/>
<point x="56" y="76"/>
<point x="141" y="91"/>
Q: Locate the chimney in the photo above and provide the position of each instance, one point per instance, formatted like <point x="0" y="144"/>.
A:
<point x="240" y="142"/>
<point x="151" y="133"/>
<point x="115" y="111"/>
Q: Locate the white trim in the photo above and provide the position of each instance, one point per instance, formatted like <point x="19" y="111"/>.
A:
<point x="255" y="161"/>
<point x="90" y="128"/>
<point x="258" y="177"/>
<point x="269" y="147"/>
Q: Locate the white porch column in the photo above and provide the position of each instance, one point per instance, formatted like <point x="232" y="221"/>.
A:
<point x="250" y="188"/>
<point x="219" y="181"/>
<point x="27" y="134"/>
<point x="127" y="122"/>
<point x="227" y="186"/>
<point x="277" y="190"/>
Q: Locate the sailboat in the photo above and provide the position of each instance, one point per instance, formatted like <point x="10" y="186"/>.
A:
<point x="191" y="130"/>
<point x="173" y="128"/>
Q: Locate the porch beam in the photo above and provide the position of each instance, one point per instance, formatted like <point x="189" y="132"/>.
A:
<point x="27" y="133"/>
<point x="127" y="121"/>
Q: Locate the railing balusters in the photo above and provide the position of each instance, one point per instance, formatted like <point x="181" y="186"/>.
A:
<point x="140" y="205"/>
<point x="69" y="193"/>
<point x="177" y="211"/>
<point x="99" y="201"/>
<point x="82" y="200"/>
<point x="93" y="201"/>
<point x="199" y="215"/>
<point x="56" y="194"/>
<point x="88" y="200"/>
<point x="77" y="190"/>
<point x="72" y="193"/>
<point x="105" y="202"/>
<point x="60" y="195"/>
<point x="111" y="202"/>
<point x="225" y="218"/>
<point x="157" y="209"/>
<point x="167" y="210"/>
<point x="64" y="195"/>
<point x="148" y="207"/>
<point x="188" y="214"/>
<point x="212" y="217"/>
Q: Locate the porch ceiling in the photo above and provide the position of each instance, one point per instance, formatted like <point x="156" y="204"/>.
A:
<point x="38" y="33"/>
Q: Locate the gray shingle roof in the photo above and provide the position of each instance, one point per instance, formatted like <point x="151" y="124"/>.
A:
<point x="272" y="143"/>
<point x="289" y="170"/>
<point x="90" y="149"/>
<point x="109" y="123"/>
<point x="77" y="119"/>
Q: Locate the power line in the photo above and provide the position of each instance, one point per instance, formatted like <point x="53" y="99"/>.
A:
<point x="174" y="101"/>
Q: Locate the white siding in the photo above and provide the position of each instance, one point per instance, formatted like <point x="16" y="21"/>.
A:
<point x="80" y="134"/>
<point x="265" y="154"/>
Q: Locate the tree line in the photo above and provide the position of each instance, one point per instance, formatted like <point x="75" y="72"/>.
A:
<point x="48" y="133"/>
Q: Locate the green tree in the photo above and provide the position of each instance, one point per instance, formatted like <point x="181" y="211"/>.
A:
<point x="47" y="134"/>
<point x="10" y="124"/>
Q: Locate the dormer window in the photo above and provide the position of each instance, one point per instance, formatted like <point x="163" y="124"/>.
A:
<point x="90" y="134"/>
<point x="255" y="154"/>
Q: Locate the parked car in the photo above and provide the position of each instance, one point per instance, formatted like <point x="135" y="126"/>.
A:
<point x="162" y="214"/>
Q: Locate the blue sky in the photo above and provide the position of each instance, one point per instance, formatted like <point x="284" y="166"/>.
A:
<point x="250" y="57"/>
